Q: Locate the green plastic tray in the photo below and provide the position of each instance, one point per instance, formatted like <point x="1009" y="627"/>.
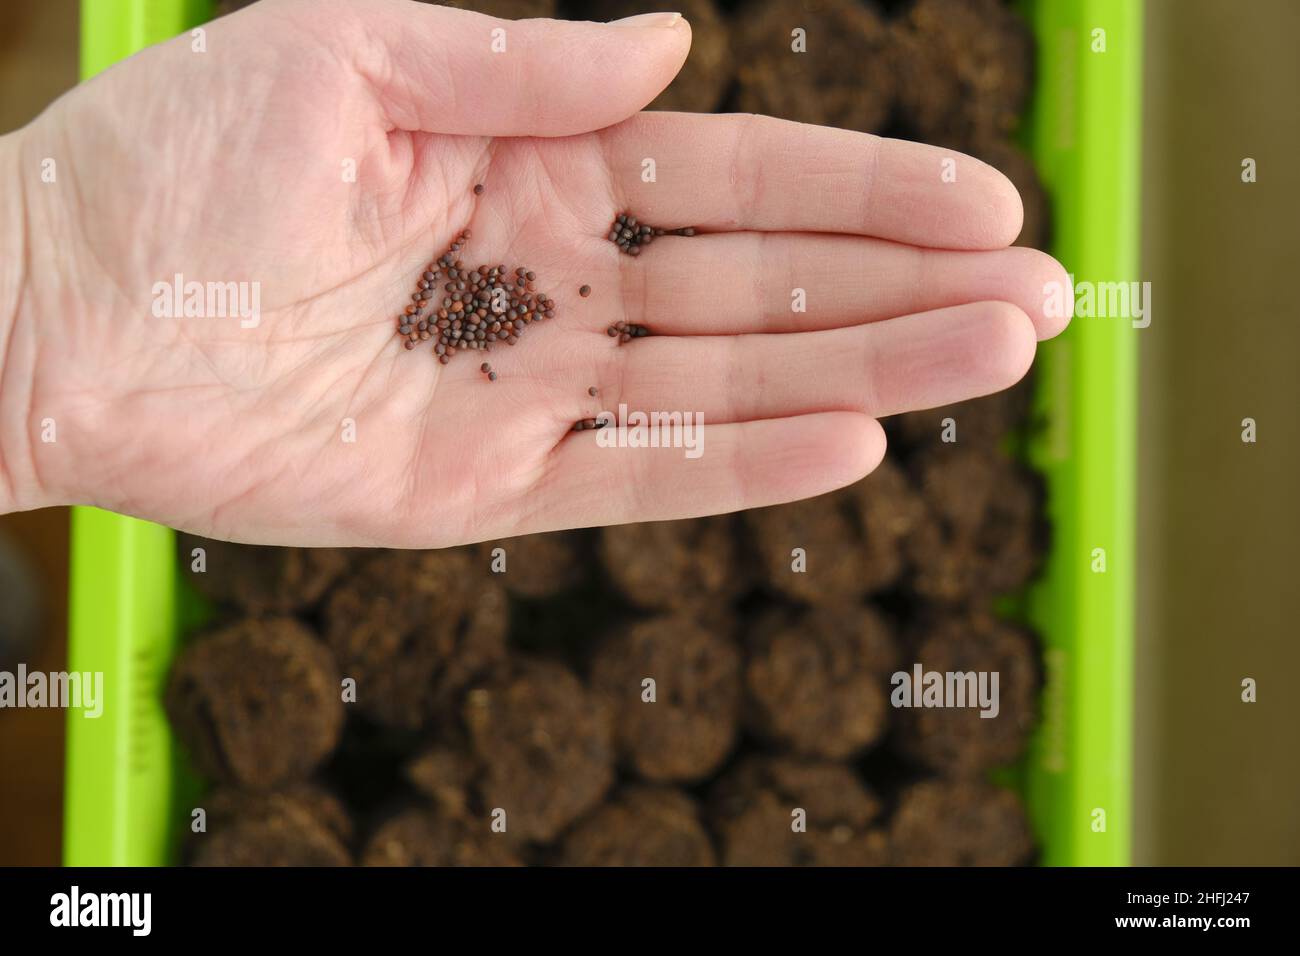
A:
<point x="127" y="796"/>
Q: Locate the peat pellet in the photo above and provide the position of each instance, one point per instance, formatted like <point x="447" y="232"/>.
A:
<point x="975" y="733"/>
<point x="414" y="629"/>
<point x="675" y="564"/>
<point x="815" y="87"/>
<point x="305" y="802"/>
<point x="964" y="68"/>
<point x="444" y="773"/>
<point x="257" y="703"/>
<point x="683" y="726"/>
<point x="959" y="823"/>
<point x="982" y="423"/>
<point x="258" y="579"/>
<point x="276" y="840"/>
<point x="753" y="808"/>
<point x="545" y="745"/>
<point x="840" y="546"/>
<point x="817" y="680"/>
<point x="420" y="836"/>
<point x="642" y="826"/>
<point x="982" y="534"/>
<point x="535" y="565"/>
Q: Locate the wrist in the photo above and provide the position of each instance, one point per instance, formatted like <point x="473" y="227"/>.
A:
<point x="20" y="488"/>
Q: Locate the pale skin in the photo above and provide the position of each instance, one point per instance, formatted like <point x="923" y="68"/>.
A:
<point x="231" y="165"/>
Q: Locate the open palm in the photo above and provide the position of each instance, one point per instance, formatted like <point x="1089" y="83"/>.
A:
<point x="326" y="152"/>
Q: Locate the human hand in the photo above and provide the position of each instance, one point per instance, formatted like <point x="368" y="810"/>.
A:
<point x="229" y="166"/>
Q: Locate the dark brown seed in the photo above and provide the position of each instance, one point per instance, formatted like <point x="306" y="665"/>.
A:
<point x="492" y="376"/>
<point x="611" y="331"/>
<point x="585" y="291"/>
<point x="443" y="359"/>
<point x="485" y="367"/>
<point x="409" y="344"/>
<point x="592" y="391"/>
<point x="478" y="190"/>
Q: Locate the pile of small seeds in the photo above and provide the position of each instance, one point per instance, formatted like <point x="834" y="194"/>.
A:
<point x="478" y="306"/>
<point x="630" y="236"/>
<point x="627" y="331"/>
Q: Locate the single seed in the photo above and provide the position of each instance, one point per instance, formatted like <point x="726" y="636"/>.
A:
<point x="592" y="391"/>
<point x="492" y="376"/>
<point x="585" y="291"/>
<point x="478" y="190"/>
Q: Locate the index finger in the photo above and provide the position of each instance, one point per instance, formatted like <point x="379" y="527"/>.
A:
<point x="748" y="172"/>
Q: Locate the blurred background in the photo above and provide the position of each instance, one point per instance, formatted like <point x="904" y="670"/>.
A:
<point x="1216" y="781"/>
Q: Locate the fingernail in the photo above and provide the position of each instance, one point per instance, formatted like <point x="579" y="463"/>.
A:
<point x="649" y="20"/>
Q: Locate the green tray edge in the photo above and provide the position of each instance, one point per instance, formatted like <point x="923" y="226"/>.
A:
<point x="1085" y="137"/>
<point x="124" y="782"/>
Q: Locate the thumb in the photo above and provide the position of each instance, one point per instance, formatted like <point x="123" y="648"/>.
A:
<point x="453" y="71"/>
